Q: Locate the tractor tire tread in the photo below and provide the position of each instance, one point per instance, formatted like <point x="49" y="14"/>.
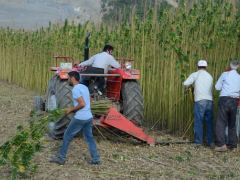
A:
<point x="63" y="93"/>
<point x="132" y="101"/>
<point x="38" y="103"/>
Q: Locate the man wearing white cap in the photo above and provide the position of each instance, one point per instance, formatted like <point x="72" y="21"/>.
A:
<point x="229" y="85"/>
<point x="203" y="103"/>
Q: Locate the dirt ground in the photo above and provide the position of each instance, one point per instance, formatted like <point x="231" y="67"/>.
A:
<point x="119" y="160"/>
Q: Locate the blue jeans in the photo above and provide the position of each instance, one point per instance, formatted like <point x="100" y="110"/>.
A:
<point x="237" y="127"/>
<point x="73" y="128"/>
<point x="203" y="109"/>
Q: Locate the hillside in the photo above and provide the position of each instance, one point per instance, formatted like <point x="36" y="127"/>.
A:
<point x="36" y="13"/>
<point x="26" y="13"/>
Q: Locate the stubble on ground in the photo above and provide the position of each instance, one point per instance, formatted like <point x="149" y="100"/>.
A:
<point x="119" y="160"/>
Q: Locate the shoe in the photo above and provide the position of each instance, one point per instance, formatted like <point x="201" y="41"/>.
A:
<point x="57" y="160"/>
<point x="91" y="162"/>
<point x="196" y="145"/>
<point x="221" y="149"/>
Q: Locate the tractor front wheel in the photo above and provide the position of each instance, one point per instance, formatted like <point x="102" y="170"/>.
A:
<point x="131" y="95"/>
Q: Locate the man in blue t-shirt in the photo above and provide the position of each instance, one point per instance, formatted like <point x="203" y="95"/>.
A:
<point x="83" y="120"/>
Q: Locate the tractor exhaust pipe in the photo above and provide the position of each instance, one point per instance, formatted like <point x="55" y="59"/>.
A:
<point x="86" y="48"/>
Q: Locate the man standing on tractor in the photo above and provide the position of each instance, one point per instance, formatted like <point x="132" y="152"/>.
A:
<point x="203" y="105"/>
<point x="83" y="120"/>
<point x="102" y="60"/>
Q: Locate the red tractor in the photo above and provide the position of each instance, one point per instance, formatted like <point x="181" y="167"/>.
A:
<point x="121" y="87"/>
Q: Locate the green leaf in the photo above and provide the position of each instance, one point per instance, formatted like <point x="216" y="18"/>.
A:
<point x="20" y="128"/>
<point x="222" y="176"/>
<point x="116" y="155"/>
<point x="3" y="161"/>
<point x="32" y="113"/>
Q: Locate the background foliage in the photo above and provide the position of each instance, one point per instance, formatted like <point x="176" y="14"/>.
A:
<point x="118" y="10"/>
<point x="166" y="47"/>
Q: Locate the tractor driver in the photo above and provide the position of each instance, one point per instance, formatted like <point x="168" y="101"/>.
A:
<point x="102" y="60"/>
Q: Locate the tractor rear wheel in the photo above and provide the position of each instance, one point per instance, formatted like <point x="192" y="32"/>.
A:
<point x="59" y="94"/>
<point x="131" y="95"/>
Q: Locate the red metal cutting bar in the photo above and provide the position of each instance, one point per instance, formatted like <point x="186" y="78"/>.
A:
<point x="118" y="121"/>
<point x="100" y="123"/>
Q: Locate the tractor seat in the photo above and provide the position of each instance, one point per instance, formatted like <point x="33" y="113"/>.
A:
<point x="93" y="81"/>
<point x="91" y="70"/>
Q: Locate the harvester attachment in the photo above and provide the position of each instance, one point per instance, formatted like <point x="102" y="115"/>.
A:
<point x="116" y="120"/>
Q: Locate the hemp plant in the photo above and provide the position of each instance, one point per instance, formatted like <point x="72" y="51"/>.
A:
<point x="26" y="142"/>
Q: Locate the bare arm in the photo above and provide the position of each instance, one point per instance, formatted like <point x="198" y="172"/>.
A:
<point x="81" y="104"/>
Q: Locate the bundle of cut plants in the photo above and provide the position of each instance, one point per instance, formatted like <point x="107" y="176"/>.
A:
<point x="100" y="107"/>
<point x="20" y="148"/>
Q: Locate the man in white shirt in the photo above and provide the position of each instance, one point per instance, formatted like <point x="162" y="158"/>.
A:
<point x="229" y="85"/>
<point x="203" y="106"/>
<point x="102" y="60"/>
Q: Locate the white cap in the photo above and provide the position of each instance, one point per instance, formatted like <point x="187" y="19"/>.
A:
<point x="202" y="63"/>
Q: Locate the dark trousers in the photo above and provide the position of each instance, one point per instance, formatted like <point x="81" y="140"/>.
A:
<point x="101" y="80"/>
<point x="226" y="114"/>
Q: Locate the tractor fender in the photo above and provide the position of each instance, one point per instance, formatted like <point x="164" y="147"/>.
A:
<point x="126" y="73"/>
<point x="114" y="83"/>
